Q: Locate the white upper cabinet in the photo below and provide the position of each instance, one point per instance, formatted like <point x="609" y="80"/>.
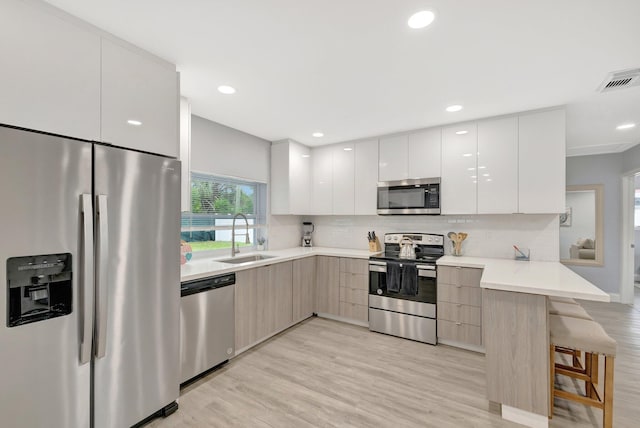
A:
<point x="542" y="152"/>
<point x="458" y="189"/>
<point x="366" y="177"/>
<point x="322" y="180"/>
<point x="50" y="73"/>
<point x="425" y="153"/>
<point x="139" y="88"/>
<point x="394" y="155"/>
<point x="343" y="179"/>
<point x="497" y="172"/>
<point x="290" y="178"/>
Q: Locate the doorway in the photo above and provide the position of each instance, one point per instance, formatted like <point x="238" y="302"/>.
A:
<point x="630" y="292"/>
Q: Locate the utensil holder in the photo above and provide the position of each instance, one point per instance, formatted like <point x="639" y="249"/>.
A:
<point x="522" y="254"/>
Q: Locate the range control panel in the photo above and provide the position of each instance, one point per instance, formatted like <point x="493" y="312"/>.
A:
<point x="417" y="238"/>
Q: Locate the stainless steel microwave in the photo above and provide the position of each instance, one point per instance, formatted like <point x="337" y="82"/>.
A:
<point x="421" y="196"/>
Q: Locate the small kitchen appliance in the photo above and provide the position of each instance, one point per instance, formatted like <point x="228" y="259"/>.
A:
<point x="403" y="286"/>
<point x="307" y="230"/>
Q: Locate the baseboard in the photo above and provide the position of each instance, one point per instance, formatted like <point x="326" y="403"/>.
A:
<point x="615" y="297"/>
<point x="462" y="345"/>
<point x="343" y="319"/>
<point x="525" y="418"/>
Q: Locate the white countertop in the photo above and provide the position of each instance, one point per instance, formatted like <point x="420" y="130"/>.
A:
<point x="545" y="278"/>
<point x="206" y="267"/>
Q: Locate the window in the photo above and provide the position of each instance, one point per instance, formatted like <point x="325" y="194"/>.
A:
<point x="214" y="202"/>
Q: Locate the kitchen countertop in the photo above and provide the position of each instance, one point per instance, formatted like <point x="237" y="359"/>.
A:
<point x="543" y="278"/>
<point x="210" y="266"/>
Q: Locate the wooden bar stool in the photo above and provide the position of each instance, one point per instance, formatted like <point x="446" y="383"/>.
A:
<point x="574" y="311"/>
<point x="589" y="337"/>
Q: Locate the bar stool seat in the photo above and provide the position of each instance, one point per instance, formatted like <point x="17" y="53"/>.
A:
<point x="568" y="310"/>
<point x="562" y="300"/>
<point x="589" y="337"/>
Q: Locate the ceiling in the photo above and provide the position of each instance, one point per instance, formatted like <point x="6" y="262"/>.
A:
<point x="354" y="69"/>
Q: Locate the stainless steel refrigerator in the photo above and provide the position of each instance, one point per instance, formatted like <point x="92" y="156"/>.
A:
<point x="89" y="256"/>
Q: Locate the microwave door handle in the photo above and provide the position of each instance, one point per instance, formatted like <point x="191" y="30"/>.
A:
<point x="102" y="276"/>
<point x="86" y="283"/>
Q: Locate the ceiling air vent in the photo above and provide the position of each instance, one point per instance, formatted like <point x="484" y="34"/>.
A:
<point x="620" y="79"/>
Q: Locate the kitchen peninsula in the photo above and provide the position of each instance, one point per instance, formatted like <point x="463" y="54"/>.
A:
<point x="515" y="329"/>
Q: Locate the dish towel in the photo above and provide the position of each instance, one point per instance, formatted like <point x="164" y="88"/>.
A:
<point x="409" y="285"/>
<point x="394" y="276"/>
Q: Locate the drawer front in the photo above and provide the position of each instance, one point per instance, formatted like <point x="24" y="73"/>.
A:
<point x="458" y="312"/>
<point x="460" y="332"/>
<point x="354" y="311"/>
<point x="354" y="295"/>
<point x="354" y="280"/>
<point x="360" y="266"/>
<point x="456" y="275"/>
<point x="465" y="295"/>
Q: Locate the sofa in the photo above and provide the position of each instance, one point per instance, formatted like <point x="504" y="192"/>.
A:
<point x="584" y="248"/>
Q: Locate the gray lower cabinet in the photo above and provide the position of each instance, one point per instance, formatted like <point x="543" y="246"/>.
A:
<point x="263" y="303"/>
<point x="328" y="285"/>
<point x="354" y="289"/>
<point x="304" y="288"/>
<point x="460" y="305"/>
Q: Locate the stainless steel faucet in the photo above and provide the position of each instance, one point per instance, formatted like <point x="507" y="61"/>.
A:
<point x="235" y="251"/>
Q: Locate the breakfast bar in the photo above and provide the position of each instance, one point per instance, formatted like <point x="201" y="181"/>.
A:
<point x="516" y="332"/>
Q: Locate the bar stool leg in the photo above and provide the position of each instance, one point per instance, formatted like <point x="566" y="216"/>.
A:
<point x="552" y="377"/>
<point x="588" y="385"/>
<point x="594" y="370"/>
<point x="607" y="412"/>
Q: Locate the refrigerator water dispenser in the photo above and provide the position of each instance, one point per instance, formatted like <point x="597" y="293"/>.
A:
<point x="38" y="288"/>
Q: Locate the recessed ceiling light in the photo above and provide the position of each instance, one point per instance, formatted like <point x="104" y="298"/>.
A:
<point x="347" y="149"/>
<point x="481" y="167"/>
<point x="454" y="108"/>
<point x="462" y="132"/>
<point x="470" y="169"/>
<point x="421" y="19"/>
<point x="474" y="176"/>
<point x="488" y="179"/>
<point x="485" y="175"/>
<point x="466" y="155"/>
<point x="626" y="126"/>
<point x="226" y="89"/>
<point x="134" y="122"/>
<point x="318" y="134"/>
<point x="306" y="156"/>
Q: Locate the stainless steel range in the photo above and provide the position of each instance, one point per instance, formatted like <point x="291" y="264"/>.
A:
<point x="403" y="286"/>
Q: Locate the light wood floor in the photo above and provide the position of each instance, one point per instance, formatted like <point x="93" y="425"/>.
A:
<point x="323" y="373"/>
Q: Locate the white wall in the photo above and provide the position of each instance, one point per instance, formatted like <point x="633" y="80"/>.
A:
<point x="489" y="235"/>
<point x="607" y="170"/>
<point x="583" y="220"/>
<point x="218" y="149"/>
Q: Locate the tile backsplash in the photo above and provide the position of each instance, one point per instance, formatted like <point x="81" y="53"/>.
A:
<point x="489" y="235"/>
<point x="285" y="231"/>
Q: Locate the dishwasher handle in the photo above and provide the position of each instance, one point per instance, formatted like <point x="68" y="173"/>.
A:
<point x="200" y="285"/>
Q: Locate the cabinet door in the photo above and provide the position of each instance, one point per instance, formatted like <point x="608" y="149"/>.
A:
<point x="542" y="151"/>
<point x="246" y="308"/>
<point x="281" y="286"/>
<point x="299" y="179"/>
<point x="185" y="154"/>
<point x="394" y="156"/>
<point x="328" y="285"/>
<point x="498" y="166"/>
<point x="50" y="74"/>
<point x="366" y="178"/>
<point x="425" y="155"/>
<point x="139" y="88"/>
<point x="343" y="179"/>
<point x="266" y="307"/>
<point x="459" y="179"/>
<point x="322" y="162"/>
<point x="304" y="279"/>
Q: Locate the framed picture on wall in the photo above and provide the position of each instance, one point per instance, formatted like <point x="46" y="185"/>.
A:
<point x="565" y="217"/>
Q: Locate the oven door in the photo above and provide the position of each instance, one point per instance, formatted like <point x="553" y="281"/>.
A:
<point x="426" y="283"/>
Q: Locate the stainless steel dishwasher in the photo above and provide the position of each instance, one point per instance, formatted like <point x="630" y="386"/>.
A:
<point x="207" y="323"/>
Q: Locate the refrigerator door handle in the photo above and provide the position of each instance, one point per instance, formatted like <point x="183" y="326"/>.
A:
<point x="87" y="281"/>
<point x="102" y="276"/>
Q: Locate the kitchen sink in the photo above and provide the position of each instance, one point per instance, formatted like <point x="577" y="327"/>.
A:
<point x="245" y="259"/>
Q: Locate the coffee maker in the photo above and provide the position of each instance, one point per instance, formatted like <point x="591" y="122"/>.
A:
<point x="307" y="230"/>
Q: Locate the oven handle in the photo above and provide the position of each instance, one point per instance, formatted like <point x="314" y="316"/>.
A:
<point x="427" y="273"/>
